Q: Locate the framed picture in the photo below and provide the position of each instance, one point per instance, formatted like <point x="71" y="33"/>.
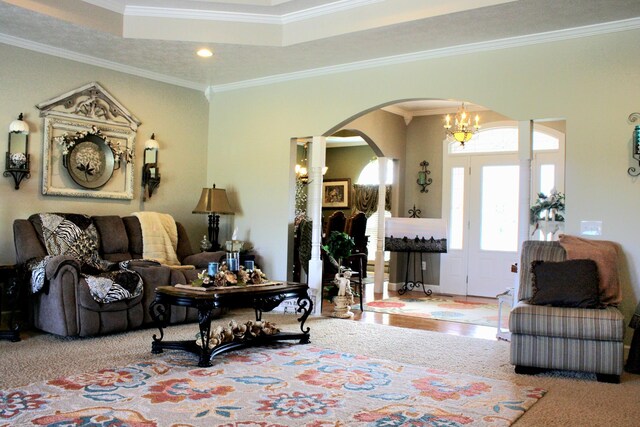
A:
<point x="336" y="193"/>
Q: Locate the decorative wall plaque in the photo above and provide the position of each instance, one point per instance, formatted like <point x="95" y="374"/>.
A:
<point x="89" y="145"/>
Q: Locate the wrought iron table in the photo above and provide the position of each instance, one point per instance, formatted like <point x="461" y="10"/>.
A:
<point x="413" y="247"/>
<point x="262" y="298"/>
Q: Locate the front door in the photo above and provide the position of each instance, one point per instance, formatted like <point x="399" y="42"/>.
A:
<point x="493" y="224"/>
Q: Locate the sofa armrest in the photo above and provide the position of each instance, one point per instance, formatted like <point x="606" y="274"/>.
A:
<point x="202" y="259"/>
<point x="57" y="264"/>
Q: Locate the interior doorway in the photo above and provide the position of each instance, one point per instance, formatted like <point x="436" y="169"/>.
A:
<point x="480" y="200"/>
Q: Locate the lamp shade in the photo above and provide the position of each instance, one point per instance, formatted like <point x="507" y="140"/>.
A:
<point x="213" y="200"/>
<point x="19" y="126"/>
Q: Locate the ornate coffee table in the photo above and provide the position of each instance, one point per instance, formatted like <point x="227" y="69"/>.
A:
<point x="262" y="298"/>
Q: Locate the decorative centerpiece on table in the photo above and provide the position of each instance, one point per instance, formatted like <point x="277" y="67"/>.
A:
<point x="225" y="277"/>
<point x="339" y="246"/>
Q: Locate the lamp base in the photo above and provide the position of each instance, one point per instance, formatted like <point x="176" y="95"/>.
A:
<point x="214" y="230"/>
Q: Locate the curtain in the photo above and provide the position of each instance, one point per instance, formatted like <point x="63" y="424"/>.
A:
<point x="366" y="198"/>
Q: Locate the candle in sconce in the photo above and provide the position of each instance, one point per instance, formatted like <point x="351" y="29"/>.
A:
<point x="233" y="264"/>
<point x="249" y="265"/>
<point x="152" y="172"/>
<point x="422" y="178"/>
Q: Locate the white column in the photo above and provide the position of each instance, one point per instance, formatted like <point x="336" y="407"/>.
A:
<point x="314" y="211"/>
<point x="525" y="154"/>
<point x="378" y="278"/>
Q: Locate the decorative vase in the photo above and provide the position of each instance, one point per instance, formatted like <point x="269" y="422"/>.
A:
<point x="552" y="214"/>
<point x="342" y="306"/>
<point x="18" y="160"/>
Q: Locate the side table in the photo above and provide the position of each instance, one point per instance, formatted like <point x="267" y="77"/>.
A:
<point x="9" y="300"/>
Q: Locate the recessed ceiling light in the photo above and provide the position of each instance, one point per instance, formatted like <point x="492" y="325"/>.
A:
<point x="205" y="53"/>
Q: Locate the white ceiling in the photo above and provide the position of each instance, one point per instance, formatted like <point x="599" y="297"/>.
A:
<point x="256" y="41"/>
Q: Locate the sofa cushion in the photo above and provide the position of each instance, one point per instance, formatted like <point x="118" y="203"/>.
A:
<point x="533" y="250"/>
<point x="579" y="323"/>
<point x="134" y="231"/>
<point x="114" y="243"/>
<point x="572" y="283"/>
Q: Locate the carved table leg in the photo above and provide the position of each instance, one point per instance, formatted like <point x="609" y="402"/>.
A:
<point x="305" y="306"/>
<point x="160" y="313"/>
<point x="204" y="322"/>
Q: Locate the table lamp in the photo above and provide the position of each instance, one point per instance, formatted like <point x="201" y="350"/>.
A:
<point x="213" y="201"/>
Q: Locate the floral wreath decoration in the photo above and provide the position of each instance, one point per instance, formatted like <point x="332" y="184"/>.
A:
<point x="67" y="142"/>
<point x="226" y="277"/>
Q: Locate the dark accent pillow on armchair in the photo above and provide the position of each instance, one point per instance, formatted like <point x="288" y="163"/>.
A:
<point x="571" y="283"/>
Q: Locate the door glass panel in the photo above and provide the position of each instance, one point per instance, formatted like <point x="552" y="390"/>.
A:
<point x="499" y="208"/>
<point x="457" y="208"/>
<point x="547" y="178"/>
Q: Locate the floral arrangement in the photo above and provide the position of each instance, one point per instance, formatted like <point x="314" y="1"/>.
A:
<point x="552" y="204"/>
<point x="67" y="142"/>
<point x="226" y="277"/>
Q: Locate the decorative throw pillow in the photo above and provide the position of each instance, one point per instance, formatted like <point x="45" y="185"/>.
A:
<point x="572" y="283"/>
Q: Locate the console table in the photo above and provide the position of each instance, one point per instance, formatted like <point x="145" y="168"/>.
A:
<point x="413" y="247"/>
<point x="262" y="298"/>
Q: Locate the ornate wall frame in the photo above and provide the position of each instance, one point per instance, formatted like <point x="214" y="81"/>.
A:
<point x="87" y="113"/>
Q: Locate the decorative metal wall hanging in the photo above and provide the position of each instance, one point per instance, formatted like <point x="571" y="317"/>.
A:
<point x="17" y="162"/>
<point x="414" y="213"/>
<point x="635" y="144"/>
<point x="150" y="170"/>
<point x="89" y="145"/>
<point x="423" y="180"/>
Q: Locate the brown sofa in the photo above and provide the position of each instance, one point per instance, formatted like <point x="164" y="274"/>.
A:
<point x="65" y="306"/>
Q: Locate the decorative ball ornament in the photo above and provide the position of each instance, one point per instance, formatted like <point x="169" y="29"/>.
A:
<point x="18" y="160"/>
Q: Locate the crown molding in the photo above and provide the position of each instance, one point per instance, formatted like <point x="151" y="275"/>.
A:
<point x="199" y="14"/>
<point x="244" y="17"/>
<point x="98" y="62"/>
<point x="532" y="39"/>
<point x="325" y="9"/>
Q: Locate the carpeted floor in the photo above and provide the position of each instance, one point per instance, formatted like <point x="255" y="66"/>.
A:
<point x="441" y="308"/>
<point x="570" y="400"/>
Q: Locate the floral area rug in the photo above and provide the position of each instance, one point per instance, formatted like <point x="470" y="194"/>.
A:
<point x="284" y="385"/>
<point x="442" y="308"/>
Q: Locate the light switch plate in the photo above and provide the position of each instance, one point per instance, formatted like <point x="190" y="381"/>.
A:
<point x="591" y="228"/>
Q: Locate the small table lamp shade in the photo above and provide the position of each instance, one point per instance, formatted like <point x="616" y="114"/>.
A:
<point x="213" y="201"/>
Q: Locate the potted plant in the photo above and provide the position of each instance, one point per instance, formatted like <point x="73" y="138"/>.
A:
<point x="339" y="246"/>
<point x="552" y="206"/>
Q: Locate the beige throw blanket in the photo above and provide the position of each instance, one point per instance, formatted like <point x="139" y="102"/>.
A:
<point x="159" y="237"/>
<point x="605" y="255"/>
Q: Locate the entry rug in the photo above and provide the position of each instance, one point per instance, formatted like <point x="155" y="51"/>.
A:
<point x="442" y="308"/>
<point x="284" y="385"/>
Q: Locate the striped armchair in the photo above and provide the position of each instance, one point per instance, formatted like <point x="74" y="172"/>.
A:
<point x="576" y="339"/>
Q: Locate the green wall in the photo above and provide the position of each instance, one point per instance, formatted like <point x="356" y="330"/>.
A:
<point x="589" y="82"/>
<point x="178" y="116"/>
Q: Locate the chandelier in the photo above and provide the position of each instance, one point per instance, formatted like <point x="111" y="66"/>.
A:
<point x="302" y="174"/>
<point x="461" y="130"/>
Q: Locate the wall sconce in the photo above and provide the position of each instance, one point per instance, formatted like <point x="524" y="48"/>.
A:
<point x="150" y="172"/>
<point x="423" y="180"/>
<point x="17" y="162"/>
<point x="635" y="144"/>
